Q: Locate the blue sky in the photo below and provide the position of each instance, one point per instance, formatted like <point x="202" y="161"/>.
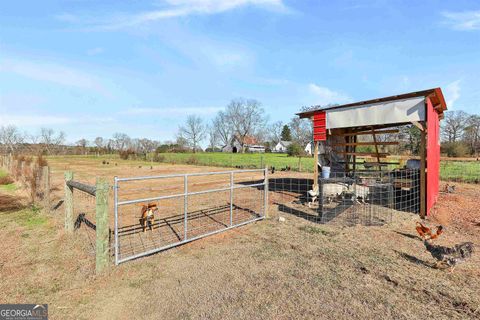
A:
<point x="92" y="68"/>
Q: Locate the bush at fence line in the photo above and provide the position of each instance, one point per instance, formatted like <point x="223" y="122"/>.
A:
<point x="158" y="157"/>
<point x="125" y="154"/>
<point x="192" y="160"/>
<point x="6" y="180"/>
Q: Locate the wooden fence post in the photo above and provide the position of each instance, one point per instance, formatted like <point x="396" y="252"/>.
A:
<point x="103" y="232"/>
<point x="69" y="223"/>
<point x="46" y="188"/>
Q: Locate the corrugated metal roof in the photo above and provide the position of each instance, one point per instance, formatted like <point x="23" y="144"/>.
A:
<point x="435" y="95"/>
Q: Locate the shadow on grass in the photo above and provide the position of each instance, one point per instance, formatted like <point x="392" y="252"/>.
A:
<point x="411" y="236"/>
<point x="413" y="259"/>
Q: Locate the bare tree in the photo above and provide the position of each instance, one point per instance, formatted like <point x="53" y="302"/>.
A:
<point x="82" y="143"/>
<point x="11" y="137"/>
<point x="146" y="145"/>
<point x="301" y="130"/>
<point x="223" y="127"/>
<point x="275" y="131"/>
<point x="213" y="137"/>
<point x="247" y="118"/>
<point x="121" y="141"/>
<point x="99" y="142"/>
<point x="193" y="131"/>
<point x="51" y="140"/>
<point x="472" y="134"/>
<point x="453" y="125"/>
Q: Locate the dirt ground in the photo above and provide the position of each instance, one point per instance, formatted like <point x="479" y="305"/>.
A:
<point x="294" y="269"/>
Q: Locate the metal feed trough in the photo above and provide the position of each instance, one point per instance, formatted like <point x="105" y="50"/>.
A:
<point x="190" y="207"/>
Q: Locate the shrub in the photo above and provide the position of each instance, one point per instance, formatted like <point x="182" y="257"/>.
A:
<point x="6" y="180"/>
<point x="295" y="150"/>
<point x="158" y="157"/>
<point x="454" y="149"/>
<point x="41" y="161"/>
<point x="125" y="154"/>
<point x="192" y="160"/>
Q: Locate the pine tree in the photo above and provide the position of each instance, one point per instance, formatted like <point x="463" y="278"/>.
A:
<point x="286" y="133"/>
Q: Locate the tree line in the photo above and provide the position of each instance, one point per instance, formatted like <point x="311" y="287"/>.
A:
<point x="460" y="134"/>
<point x="242" y="119"/>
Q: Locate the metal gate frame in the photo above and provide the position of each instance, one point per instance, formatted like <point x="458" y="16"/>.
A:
<point x="185" y="195"/>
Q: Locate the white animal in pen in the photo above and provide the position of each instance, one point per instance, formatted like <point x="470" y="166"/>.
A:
<point x="331" y="191"/>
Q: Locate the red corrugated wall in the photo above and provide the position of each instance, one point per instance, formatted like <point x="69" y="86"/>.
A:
<point x="433" y="155"/>
<point x="320" y="126"/>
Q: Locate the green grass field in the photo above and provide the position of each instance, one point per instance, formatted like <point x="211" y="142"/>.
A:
<point x="461" y="171"/>
<point x="239" y="160"/>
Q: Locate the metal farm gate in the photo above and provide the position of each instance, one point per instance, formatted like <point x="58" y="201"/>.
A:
<point x="189" y="207"/>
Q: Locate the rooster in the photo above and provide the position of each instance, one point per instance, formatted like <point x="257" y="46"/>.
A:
<point x="447" y="257"/>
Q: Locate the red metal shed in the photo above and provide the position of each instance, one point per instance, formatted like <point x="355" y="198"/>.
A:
<point x="424" y="109"/>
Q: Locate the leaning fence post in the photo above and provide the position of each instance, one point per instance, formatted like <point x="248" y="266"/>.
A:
<point x="46" y="187"/>
<point x="102" y="230"/>
<point x="68" y="203"/>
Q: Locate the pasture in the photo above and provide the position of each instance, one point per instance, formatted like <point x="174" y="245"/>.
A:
<point x="294" y="269"/>
<point x="460" y="170"/>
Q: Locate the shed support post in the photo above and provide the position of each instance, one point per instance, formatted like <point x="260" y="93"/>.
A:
<point x="69" y="221"/>
<point x="423" y="166"/>
<point x="315" y="169"/>
<point x="102" y="231"/>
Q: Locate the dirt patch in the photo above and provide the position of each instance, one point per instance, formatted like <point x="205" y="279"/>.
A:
<point x="295" y="269"/>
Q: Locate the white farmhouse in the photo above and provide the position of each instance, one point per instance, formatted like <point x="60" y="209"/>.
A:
<point x="282" y="146"/>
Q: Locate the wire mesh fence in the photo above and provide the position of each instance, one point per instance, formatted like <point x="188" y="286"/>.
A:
<point x="84" y="210"/>
<point x="362" y="197"/>
<point x="158" y="212"/>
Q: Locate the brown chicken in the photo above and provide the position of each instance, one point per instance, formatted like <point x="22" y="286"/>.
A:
<point x="426" y="233"/>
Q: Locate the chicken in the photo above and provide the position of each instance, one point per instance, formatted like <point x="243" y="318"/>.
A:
<point x="449" y="189"/>
<point x="426" y="233"/>
<point x="450" y="256"/>
<point x="447" y="257"/>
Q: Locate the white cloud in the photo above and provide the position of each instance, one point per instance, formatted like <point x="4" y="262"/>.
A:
<point x="174" y="9"/>
<point x="171" y="112"/>
<point x="452" y="93"/>
<point x="54" y="73"/>
<point x="463" y="20"/>
<point x="324" y="95"/>
<point x="95" y="51"/>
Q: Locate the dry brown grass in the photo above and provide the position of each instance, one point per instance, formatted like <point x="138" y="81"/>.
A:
<point x="267" y="270"/>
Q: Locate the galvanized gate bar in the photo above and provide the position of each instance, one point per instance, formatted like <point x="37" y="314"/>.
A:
<point x="119" y="258"/>
<point x="188" y="174"/>
<point x="120" y="203"/>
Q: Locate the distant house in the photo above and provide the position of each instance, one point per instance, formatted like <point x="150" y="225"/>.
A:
<point x="281" y="146"/>
<point x="251" y="145"/>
